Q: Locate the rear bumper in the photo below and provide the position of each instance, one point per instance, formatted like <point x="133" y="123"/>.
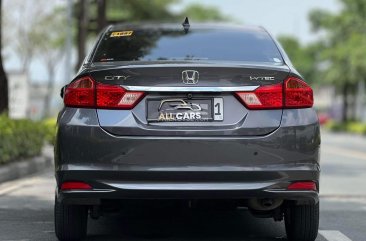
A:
<point x="95" y="197"/>
<point x="140" y="167"/>
<point x="184" y="185"/>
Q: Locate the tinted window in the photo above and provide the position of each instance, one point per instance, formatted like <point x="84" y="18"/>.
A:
<point x="207" y="44"/>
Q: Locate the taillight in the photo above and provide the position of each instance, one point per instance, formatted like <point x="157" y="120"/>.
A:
<point x="116" y="97"/>
<point x="265" y="97"/>
<point x="85" y="92"/>
<point x="298" y="94"/>
<point x="306" y="186"/>
<point x="80" y="93"/>
<point x="75" y="186"/>
<point x="294" y="93"/>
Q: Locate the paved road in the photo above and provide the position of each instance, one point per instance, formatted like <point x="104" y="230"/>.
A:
<point x="26" y="208"/>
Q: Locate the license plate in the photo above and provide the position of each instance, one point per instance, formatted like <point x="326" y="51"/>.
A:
<point x="185" y="110"/>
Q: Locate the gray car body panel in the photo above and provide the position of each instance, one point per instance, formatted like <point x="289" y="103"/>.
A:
<point x="252" y="166"/>
<point x="237" y="121"/>
<point x="251" y="154"/>
<point x="212" y="73"/>
<point x="296" y="141"/>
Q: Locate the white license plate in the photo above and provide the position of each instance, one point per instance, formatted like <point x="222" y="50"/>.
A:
<point x="178" y="110"/>
<point x="218" y="109"/>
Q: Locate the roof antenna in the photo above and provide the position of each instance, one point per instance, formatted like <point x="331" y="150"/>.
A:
<point x="186" y="25"/>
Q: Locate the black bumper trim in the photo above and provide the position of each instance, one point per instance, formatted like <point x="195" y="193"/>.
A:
<point x="94" y="197"/>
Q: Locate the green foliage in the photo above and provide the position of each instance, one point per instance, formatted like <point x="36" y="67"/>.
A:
<point x="50" y="130"/>
<point x="356" y="127"/>
<point x="139" y="10"/>
<point x="351" y="127"/>
<point x="304" y="58"/>
<point x="201" y="13"/>
<point x="20" y="139"/>
<point x="344" y="49"/>
<point x="344" y="42"/>
<point x="335" y="126"/>
<point x="145" y="10"/>
<point x="50" y="35"/>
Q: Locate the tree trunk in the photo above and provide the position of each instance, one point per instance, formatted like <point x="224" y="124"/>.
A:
<point x="345" y="102"/>
<point x="353" y="102"/>
<point x="102" y="17"/>
<point x="82" y="30"/>
<point x="4" y="96"/>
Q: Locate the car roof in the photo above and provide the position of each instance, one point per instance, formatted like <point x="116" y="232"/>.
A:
<point x="178" y="26"/>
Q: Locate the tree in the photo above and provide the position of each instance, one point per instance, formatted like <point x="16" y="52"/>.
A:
<point x="41" y="34"/>
<point x="82" y="33"/>
<point x="4" y="99"/>
<point x="345" y="49"/>
<point x="101" y="15"/>
<point x="201" y="13"/>
<point x="50" y="48"/>
<point x="305" y="58"/>
<point x="139" y="10"/>
<point x="113" y="11"/>
<point x="25" y="40"/>
<point x="91" y="20"/>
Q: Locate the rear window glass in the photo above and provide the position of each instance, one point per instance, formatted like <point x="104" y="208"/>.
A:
<point x="206" y="44"/>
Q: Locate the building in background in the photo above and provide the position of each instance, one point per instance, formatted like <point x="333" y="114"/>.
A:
<point x="37" y="95"/>
<point x="18" y="85"/>
<point x="26" y="98"/>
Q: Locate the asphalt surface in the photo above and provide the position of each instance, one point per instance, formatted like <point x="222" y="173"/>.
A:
<point x="26" y="208"/>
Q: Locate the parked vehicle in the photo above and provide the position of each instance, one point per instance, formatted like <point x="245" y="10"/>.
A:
<point x="199" y="113"/>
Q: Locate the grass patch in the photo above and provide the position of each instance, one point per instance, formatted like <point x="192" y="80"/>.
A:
<point x="351" y="127"/>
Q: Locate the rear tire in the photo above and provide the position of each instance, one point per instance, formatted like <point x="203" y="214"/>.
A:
<point x="302" y="222"/>
<point x="70" y="221"/>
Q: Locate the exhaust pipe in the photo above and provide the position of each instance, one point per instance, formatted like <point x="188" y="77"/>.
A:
<point x="265" y="204"/>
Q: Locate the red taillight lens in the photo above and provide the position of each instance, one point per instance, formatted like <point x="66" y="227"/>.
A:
<point x="298" y="94"/>
<point x="294" y="93"/>
<point x="85" y="92"/>
<point x="75" y="186"/>
<point x="116" y="97"/>
<point x="307" y="186"/>
<point x="80" y="93"/>
<point x="265" y="97"/>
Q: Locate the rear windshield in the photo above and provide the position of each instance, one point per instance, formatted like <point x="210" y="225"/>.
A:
<point x="171" y="45"/>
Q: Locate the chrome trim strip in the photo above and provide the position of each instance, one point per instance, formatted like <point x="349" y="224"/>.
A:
<point x="189" y="89"/>
<point x="190" y="186"/>
<point x="89" y="191"/>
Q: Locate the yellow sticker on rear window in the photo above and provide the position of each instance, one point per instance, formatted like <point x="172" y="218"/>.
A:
<point x="121" y="34"/>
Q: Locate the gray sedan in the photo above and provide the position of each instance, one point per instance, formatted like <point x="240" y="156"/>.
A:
<point x="194" y="115"/>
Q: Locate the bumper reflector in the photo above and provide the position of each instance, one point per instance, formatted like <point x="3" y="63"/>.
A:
<point x="307" y="186"/>
<point x="75" y="186"/>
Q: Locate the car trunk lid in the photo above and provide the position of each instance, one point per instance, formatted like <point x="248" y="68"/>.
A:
<point x="216" y="82"/>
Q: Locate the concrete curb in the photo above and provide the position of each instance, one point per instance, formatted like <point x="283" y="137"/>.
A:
<point x="26" y="167"/>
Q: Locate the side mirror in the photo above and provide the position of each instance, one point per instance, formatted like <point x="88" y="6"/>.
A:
<point x="62" y="91"/>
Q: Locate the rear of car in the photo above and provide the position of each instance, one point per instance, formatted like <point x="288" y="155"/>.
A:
<point x="212" y="113"/>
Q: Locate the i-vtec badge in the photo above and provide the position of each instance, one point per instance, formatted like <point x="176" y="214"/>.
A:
<point x="261" y="78"/>
<point x="116" y="77"/>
